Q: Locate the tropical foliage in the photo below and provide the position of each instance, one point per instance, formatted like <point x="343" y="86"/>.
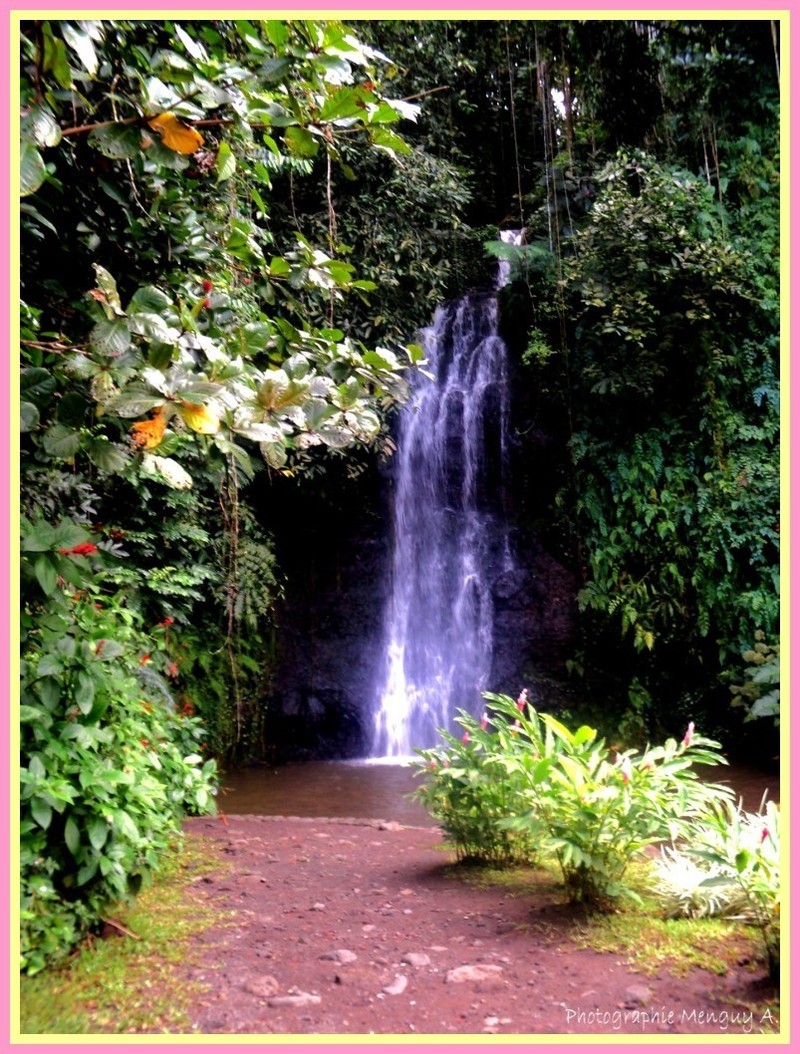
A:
<point x="174" y="336"/>
<point x="230" y="231"/>
<point x="560" y="794"/>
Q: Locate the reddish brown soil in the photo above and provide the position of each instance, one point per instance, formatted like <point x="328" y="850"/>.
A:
<point x="305" y="890"/>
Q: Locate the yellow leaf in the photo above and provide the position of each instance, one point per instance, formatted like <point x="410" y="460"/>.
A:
<point x="175" y="134"/>
<point x="199" y="418"/>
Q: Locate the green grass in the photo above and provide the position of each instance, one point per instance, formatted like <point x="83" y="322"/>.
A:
<point x="121" y="984"/>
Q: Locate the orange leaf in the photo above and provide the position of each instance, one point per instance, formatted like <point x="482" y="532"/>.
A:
<point x="148" y="434"/>
<point x="175" y="134"/>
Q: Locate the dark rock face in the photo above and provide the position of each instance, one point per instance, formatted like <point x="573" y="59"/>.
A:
<point x="534" y="625"/>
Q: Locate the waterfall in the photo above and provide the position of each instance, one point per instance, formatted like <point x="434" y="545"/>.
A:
<point x="449" y="535"/>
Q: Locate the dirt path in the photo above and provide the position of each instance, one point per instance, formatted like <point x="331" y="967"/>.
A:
<point x="362" y="927"/>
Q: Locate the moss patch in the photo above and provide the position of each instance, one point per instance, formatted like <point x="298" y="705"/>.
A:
<point x="122" y="984"/>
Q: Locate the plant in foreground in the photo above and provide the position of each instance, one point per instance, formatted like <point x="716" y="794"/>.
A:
<point x="729" y="865"/>
<point x="566" y="794"/>
<point x="471" y="794"/>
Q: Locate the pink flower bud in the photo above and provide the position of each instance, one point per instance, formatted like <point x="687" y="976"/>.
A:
<point x="465" y="738"/>
<point x="624" y="765"/>
<point x="484" y="720"/>
<point x="764" y="834"/>
<point x="687" y="738"/>
<point x="522" y="700"/>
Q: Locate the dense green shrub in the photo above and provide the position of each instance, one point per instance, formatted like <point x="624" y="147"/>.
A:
<point x="110" y="763"/>
<point x="470" y="793"/>
<point x="567" y="796"/>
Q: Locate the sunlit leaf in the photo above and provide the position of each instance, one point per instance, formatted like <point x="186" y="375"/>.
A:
<point x="173" y="474"/>
<point x="40" y="126"/>
<point x="82" y="45"/>
<point x="194" y="47"/>
<point x="201" y="419"/>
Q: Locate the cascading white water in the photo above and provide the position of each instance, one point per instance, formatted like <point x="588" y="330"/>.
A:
<point x="450" y="539"/>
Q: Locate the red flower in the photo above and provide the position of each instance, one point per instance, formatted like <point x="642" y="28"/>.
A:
<point x="465" y="738"/>
<point x="207" y="304"/>
<point x="99" y="647"/>
<point x="172" y="669"/>
<point x="207" y="285"/>
<point x="83" y="549"/>
<point x="144" y="660"/>
<point x="765" y="834"/>
<point x="168" y="621"/>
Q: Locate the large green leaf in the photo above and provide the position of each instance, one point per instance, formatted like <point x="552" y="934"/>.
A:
<point x="32" y="171"/>
<point x="149" y="299"/>
<point x="55" y="58"/>
<point x="41" y="811"/>
<point x="28" y="416"/>
<point x="274" y="452"/>
<point x="36" y="384"/>
<point x="117" y="141"/>
<point x="301" y="142"/>
<point x="61" y="442"/>
<point x="226" y="162"/>
<point x="107" y="456"/>
<point x="110" y="338"/>
<point x="98" y="833"/>
<point x="72" y="836"/>
<point x="40" y="126"/>
<point x="46" y="576"/>
<point x="81" y="44"/>
<point x="135" y="401"/>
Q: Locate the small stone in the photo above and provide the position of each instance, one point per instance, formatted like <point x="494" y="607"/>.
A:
<point x="318" y="906"/>
<point x="368" y="928"/>
<point x="416" y="959"/>
<point x="483" y="973"/>
<point x="341" y="955"/>
<point x="398" y="985"/>
<point x="638" y="993"/>
<point x="296" y="1000"/>
<point x="263" y="987"/>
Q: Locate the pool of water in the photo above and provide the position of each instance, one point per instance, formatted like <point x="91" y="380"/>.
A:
<point x="379" y="790"/>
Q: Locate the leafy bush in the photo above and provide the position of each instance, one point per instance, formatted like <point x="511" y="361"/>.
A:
<point x="729" y="865"/>
<point x="108" y="764"/>
<point x="560" y="791"/>
<point x="470" y="793"/>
